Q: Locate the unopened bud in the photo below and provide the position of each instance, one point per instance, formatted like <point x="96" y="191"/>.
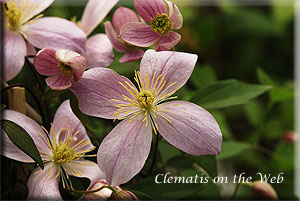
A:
<point x="123" y="195"/>
<point x="263" y="190"/>
<point x="290" y="136"/>
<point x="103" y="194"/>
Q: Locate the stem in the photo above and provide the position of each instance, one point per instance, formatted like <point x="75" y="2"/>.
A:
<point x="31" y="93"/>
<point x="96" y="190"/>
<point x="235" y="191"/>
<point x="47" y="123"/>
<point x="153" y="160"/>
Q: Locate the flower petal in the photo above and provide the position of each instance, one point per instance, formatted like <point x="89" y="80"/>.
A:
<point x="33" y="7"/>
<point x="114" y="38"/>
<point x="14" y="53"/>
<point x="73" y="60"/>
<point x="94" y="12"/>
<point x="10" y="150"/>
<point x="60" y="122"/>
<point x="43" y="185"/>
<point x="122" y="16"/>
<point x="132" y="56"/>
<point x="139" y="34"/>
<point x="55" y="32"/>
<point x="177" y="67"/>
<point x="169" y="41"/>
<point x="99" y="51"/>
<point x="96" y="89"/>
<point x="84" y="168"/>
<point x="189" y="127"/>
<point x="45" y="62"/>
<point x="59" y="82"/>
<point x="148" y="9"/>
<point x="175" y="15"/>
<point x="123" y="152"/>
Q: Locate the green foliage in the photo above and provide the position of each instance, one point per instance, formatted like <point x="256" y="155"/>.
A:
<point x="22" y="140"/>
<point x="82" y="117"/>
<point x="232" y="148"/>
<point x="227" y="93"/>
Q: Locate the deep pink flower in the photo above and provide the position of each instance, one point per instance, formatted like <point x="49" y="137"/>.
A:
<point x="161" y="18"/>
<point x="103" y="93"/>
<point x="62" y="65"/>
<point x="99" y="50"/>
<point x="22" y="22"/>
<point x="121" y="17"/>
<point x="64" y="151"/>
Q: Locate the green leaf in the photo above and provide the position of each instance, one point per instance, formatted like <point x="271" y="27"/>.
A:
<point x="208" y="163"/>
<point x="167" y="151"/>
<point x="227" y="93"/>
<point x="231" y="149"/>
<point x="3" y="106"/>
<point x="202" y="76"/>
<point x="22" y="140"/>
<point x="82" y="117"/>
<point x="277" y="93"/>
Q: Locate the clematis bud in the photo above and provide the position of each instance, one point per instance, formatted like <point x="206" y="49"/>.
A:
<point x="123" y="195"/>
<point x="290" y="136"/>
<point x="263" y="190"/>
<point x="103" y="194"/>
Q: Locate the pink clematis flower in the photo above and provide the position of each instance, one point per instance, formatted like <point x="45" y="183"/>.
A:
<point x="22" y="23"/>
<point x="62" y="150"/>
<point x="122" y="16"/>
<point x="161" y="22"/>
<point x="103" y="93"/>
<point x="99" y="50"/>
<point x="63" y="65"/>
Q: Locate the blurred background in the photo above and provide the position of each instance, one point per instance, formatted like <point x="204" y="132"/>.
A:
<point x="236" y="42"/>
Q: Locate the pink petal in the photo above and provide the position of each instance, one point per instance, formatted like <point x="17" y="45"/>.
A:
<point x="175" y="15"/>
<point x="33" y="7"/>
<point x="10" y="150"/>
<point x="14" y="53"/>
<point x="45" y="62"/>
<point x="74" y="60"/>
<point x="60" y="122"/>
<point x="44" y="185"/>
<point x="177" y="67"/>
<point x="31" y="51"/>
<point x="99" y="51"/>
<point x="132" y="56"/>
<point x="96" y="89"/>
<point x="168" y="41"/>
<point x="88" y="169"/>
<point x="94" y="12"/>
<point x="114" y="38"/>
<point x="55" y="32"/>
<point x="122" y="16"/>
<point x="139" y="34"/>
<point x="148" y="9"/>
<point x="123" y="152"/>
<point x="59" y="82"/>
<point x="192" y="129"/>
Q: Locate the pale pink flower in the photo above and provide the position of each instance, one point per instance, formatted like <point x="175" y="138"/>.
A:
<point x="99" y="50"/>
<point x="102" y="92"/>
<point x="121" y="17"/>
<point x="63" y="65"/>
<point x="22" y="23"/>
<point x="62" y="153"/>
<point x="161" y="18"/>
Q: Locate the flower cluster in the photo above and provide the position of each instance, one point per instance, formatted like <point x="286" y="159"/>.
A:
<point x="65" y="51"/>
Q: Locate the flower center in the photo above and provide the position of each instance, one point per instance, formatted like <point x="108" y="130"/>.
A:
<point x="152" y="91"/>
<point x="67" y="70"/>
<point x="13" y="15"/>
<point x="161" y="23"/>
<point x="63" y="153"/>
